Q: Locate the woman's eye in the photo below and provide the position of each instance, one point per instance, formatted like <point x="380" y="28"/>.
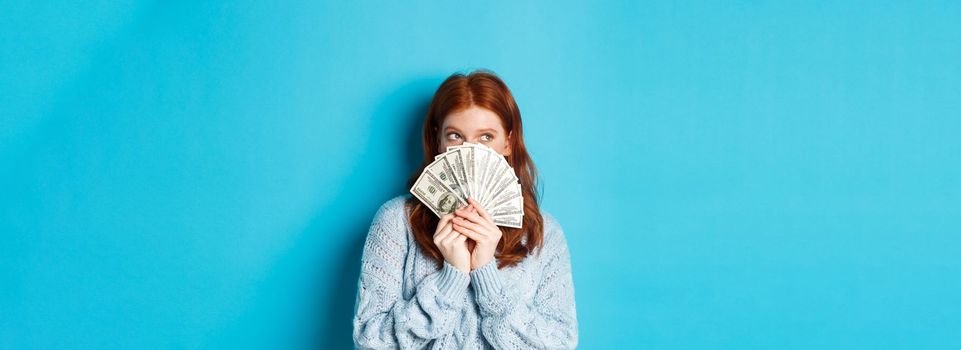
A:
<point x="453" y="136"/>
<point x="487" y="137"/>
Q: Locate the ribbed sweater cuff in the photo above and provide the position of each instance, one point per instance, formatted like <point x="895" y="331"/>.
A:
<point x="487" y="279"/>
<point x="452" y="283"/>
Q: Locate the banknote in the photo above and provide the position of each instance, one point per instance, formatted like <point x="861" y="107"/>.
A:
<point x="438" y="197"/>
<point x="445" y="173"/>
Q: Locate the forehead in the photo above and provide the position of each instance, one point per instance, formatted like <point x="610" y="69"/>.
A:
<point x="473" y="118"/>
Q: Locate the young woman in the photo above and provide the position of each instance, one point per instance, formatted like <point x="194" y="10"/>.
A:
<point x="460" y="281"/>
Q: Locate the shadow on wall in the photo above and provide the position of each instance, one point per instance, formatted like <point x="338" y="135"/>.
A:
<point x="403" y="113"/>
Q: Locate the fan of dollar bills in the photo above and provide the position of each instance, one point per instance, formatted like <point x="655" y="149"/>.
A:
<point x="476" y="171"/>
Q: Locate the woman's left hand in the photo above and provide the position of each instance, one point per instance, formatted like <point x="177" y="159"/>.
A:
<point x="474" y="222"/>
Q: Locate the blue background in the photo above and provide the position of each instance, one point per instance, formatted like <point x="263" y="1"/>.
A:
<point x="742" y="176"/>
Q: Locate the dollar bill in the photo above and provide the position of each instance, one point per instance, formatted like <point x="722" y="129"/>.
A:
<point x="512" y="191"/>
<point x="509" y="221"/>
<point x="513" y="206"/>
<point x="503" y="176"/>
<point x="438" y="197"/>
<point x="480" y="168"/>
<point x="443" y="172"/>
<point x="491" y="172"/>
<point x="467" y="155"/>
<point x="453" y="160"/>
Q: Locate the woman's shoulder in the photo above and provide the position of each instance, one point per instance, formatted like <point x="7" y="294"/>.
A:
<point x="550" y="221"/>
<point x="393" y="209"/>
<point x="553" y="231"/>
<point x="397" y="203"/>
<point x="391" y="218"/>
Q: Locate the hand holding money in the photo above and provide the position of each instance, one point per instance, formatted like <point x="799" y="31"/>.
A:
<point x="472" y="171"/>
<point x="475" y="223"/>
<point x="452" y="245"/>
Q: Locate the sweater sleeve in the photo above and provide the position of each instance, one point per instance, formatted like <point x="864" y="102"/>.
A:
<point x="383" y="319"/>
<point x="549" y="321"/>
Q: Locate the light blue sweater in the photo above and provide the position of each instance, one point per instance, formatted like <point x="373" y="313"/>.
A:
<point x="404" y="301"/>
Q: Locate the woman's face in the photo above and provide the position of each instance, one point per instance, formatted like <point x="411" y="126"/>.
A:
<point x="475" y="125"/>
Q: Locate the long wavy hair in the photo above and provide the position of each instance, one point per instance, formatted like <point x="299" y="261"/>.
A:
<point x="481" y="88"/>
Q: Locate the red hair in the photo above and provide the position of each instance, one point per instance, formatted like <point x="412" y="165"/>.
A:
<point x="481" y="88"/>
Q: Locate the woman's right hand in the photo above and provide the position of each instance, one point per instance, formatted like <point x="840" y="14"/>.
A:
<point x="452" y="244"/>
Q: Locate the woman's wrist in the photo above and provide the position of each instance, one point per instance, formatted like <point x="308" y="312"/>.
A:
<point x="479" y="262"/>
<point x="451" y="282"/>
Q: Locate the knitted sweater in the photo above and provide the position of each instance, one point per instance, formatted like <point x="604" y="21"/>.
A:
<point x="405" y="301"/>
